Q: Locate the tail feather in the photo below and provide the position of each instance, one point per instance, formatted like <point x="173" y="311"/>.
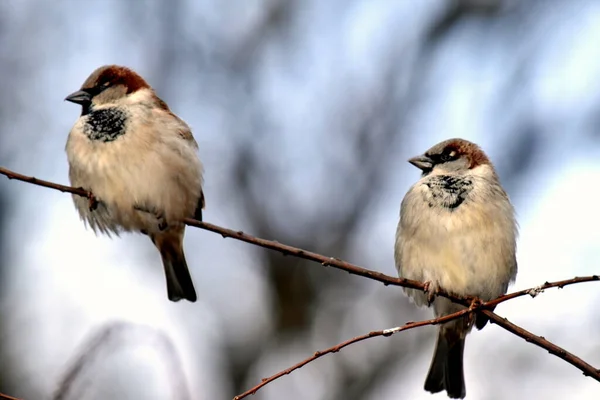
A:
<point x="446" y="371"/>
<point x="177" y="274"/>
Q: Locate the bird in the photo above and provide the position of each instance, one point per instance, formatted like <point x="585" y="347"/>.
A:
<point x="457" y="231"/>
<point x="139" y="162"/>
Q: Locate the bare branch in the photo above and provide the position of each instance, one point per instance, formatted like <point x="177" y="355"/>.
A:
<point x="51" y="185"/>
<point x="586" y="368"/>
<point x="304" y="254"/>
<point x="7" y="397"/>
<point x="338" y="347"/>
<point x="540" y="341"/>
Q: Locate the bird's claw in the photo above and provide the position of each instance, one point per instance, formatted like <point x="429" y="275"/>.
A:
<point x="431" y="291"/>
<point x="475" y="303"/>
<point x="92" y="201"/>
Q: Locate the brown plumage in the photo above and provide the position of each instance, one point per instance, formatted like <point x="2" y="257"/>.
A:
<point x="140" y="161"/>
<point x="457" y="231"/>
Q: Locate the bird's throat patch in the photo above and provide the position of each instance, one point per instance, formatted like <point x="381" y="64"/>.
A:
<point x="106" y="124"/>
<point x="447" y="191"/>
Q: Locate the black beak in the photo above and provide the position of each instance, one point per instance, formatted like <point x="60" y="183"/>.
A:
<point x="79" y="97"/>
<point x="423" y="162"/>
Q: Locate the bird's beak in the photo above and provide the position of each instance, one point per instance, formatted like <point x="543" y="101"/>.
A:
<point x="423" y="162"/>
<point x="79" y="97"/>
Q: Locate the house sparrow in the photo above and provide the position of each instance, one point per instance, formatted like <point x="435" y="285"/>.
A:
<point x="140" y="162"/>
<point x="457" y="231"/>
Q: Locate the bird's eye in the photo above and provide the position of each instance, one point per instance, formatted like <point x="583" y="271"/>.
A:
<point x="448" y="156"/>
<point x="106" y="84"/>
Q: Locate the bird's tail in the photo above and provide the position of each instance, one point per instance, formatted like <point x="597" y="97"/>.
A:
<point x="179" y="281"/>
<point x="446" y="371"/>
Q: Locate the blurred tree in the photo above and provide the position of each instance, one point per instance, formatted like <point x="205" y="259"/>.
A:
<point x="324" y="202"/>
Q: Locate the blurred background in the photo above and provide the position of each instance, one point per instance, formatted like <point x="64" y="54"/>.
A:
<point x="305" y="112"/>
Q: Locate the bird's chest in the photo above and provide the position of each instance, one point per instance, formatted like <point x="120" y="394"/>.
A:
<point x="439" y="209"/>
<point x="101" y="142"/>
<point x="103" y="150"/>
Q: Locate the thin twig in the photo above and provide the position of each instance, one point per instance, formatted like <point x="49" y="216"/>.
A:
<point x="268" y="244"/>
<point x="300" y="253"/>
<point x="51" y="185"/>
<point x="7" y="397"/>
<point x="587" y="369"/>
<point x="340" y="346"/>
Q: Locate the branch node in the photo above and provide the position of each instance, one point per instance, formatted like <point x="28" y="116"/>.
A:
<point x="327" y="263"/>
<point x="390" y="332"/>
<point x="536" y="290"/>
<point x="337" y="263"/>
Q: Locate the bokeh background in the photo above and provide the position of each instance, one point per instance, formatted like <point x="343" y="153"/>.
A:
<point x="305" y="112"/>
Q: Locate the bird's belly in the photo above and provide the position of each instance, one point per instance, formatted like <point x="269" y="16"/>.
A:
<point x="127" y="181"/>
<point x="466" y="260"/>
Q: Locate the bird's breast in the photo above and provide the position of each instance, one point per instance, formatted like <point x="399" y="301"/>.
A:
<point x="455" y="232"/>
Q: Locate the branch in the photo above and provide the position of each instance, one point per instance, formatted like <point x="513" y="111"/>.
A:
<point x="587" y="369"/>
<point x="338" y="347"/>
<point x="268" y="244"/>
<point x="540" y="341"/>
<point x="51" y="185"/>
<point x="7" y="397"/>
<point x="305" y="254"/>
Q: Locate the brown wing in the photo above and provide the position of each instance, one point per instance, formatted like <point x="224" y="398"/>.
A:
<point x="185" y="133"/>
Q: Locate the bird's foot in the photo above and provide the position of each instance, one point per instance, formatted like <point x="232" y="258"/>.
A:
<point x="431" y="290"/>
<point x="92" y="201"/>
<point x="475" y="303"/>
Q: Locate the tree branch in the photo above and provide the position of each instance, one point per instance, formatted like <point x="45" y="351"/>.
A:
<point x="7" y="397"/>
<point x="268" y="244"/>
<point x="540" y="341"/>
<point x="340" y="346"/>
<point x="586" y="368"/>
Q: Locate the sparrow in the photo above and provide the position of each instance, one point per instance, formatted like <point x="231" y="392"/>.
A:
<point x="457" y="231"/>
<point x="140" y="162"/>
